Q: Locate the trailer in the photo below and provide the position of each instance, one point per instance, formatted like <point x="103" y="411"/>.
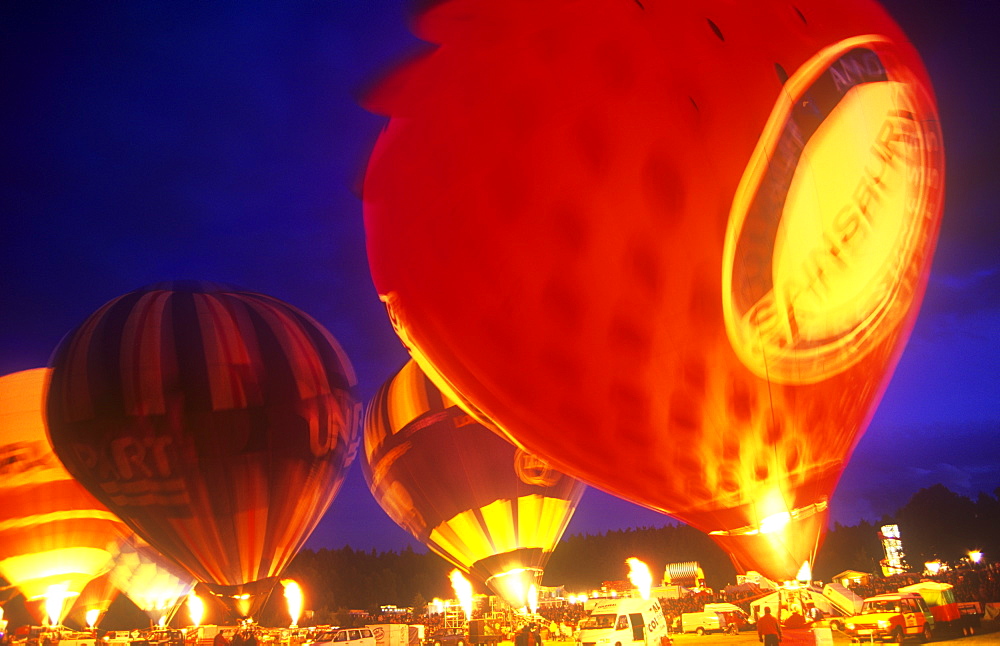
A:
<point x="948" y="616"/>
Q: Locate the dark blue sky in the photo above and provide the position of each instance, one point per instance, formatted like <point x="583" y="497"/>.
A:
<point x="148" y="141"/>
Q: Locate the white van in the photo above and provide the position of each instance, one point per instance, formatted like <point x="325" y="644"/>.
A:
<point x="624" y="622"/>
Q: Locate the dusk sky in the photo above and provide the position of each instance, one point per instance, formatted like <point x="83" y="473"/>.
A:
<point x="146" y="142"/>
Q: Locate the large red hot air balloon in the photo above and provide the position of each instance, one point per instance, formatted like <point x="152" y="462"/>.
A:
<point x="218" y="424"/>
<point x="474" y="498"/>
<point x="673" y="248"/>
<point x="54" y="536"/>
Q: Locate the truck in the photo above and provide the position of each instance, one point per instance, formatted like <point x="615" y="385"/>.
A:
<point x="628" y="621"/>
<point x="484" y="632"/>
<point x="67" y="637"/>
<point x="53" y="635"/>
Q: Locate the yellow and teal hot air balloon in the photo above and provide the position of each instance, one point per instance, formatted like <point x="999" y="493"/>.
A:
<point x="467" y="493"/>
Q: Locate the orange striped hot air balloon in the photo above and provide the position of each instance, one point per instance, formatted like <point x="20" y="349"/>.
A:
<point x="55" y="537"/>
<point x="474" y="498"/>
<point x="218" y="423"/>
<point x="675" y="249"/>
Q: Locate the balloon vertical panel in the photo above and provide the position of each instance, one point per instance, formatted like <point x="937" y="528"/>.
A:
<point x="673" y="249"/>
<point x="218" y="423"/>
<point x="463" y="490"/>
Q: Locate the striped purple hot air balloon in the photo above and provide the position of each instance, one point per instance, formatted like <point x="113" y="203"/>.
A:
<point x="218" y="423"/>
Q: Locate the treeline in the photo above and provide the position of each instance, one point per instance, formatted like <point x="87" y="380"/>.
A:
<point x="935" y="523"/>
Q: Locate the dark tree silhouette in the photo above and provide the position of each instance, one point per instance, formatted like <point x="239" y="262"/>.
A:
<point x="936" y="522"/>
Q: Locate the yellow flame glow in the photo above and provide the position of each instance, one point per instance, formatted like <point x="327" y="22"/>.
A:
<point x="55" y="600"/>
<point x="775" y="522"/>
<point x="92" y="616"/>
<point x="533" y="599"/>
<point x="196" y="609"/>
<point x="463" y="591"/>
<point x="805" y="573"/>
<point x="640" y="576"/>
<point x="293" y="595"/>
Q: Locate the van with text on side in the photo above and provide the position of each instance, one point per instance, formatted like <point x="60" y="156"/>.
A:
<point x="628" y="621"/>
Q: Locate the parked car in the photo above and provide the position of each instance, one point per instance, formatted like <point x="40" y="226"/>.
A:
<point x="447" y="637"/>
<point x="891" y="617"/>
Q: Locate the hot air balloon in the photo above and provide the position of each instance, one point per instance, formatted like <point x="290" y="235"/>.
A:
<point x="673" y="249"/>
<point x="467" y="493"/>
<point x="54" y="536"/>
<point x="217" y="423"/>
<point x="154" y="583"/>
<point x="96" y="597"/>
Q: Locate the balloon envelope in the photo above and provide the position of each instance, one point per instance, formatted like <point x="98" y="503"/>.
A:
<point x="96" y="597"/>
<point x="467" y="493"/>
<point x="673" y="249"/>
<point x="154" y="583"/>
<point x="218" y="424"/>
<point x="54" y="536"/>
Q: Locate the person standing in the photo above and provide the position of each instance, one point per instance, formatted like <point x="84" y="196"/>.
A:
<point x="768" y="628"/>
<point x="534" y="635"/>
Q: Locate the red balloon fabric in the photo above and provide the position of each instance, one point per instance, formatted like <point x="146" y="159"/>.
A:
<point x="674" y="249"/>
<point x="219" y="424"/>
<point x="474" y="498"/>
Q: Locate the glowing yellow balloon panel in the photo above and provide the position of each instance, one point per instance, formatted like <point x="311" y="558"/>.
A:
<point x="54" y="536"/>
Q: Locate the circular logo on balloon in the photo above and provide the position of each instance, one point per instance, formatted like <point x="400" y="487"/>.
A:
<point x="534" y="471"/>
<point x="832" y="224"/>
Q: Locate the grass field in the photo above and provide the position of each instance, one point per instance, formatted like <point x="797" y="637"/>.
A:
<point x="989" y="635"/>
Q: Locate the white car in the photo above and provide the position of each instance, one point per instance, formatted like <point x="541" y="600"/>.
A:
<point x="345" y="637"/>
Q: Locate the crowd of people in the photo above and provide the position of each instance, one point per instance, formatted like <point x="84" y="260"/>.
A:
<point x="977" y="583"/>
